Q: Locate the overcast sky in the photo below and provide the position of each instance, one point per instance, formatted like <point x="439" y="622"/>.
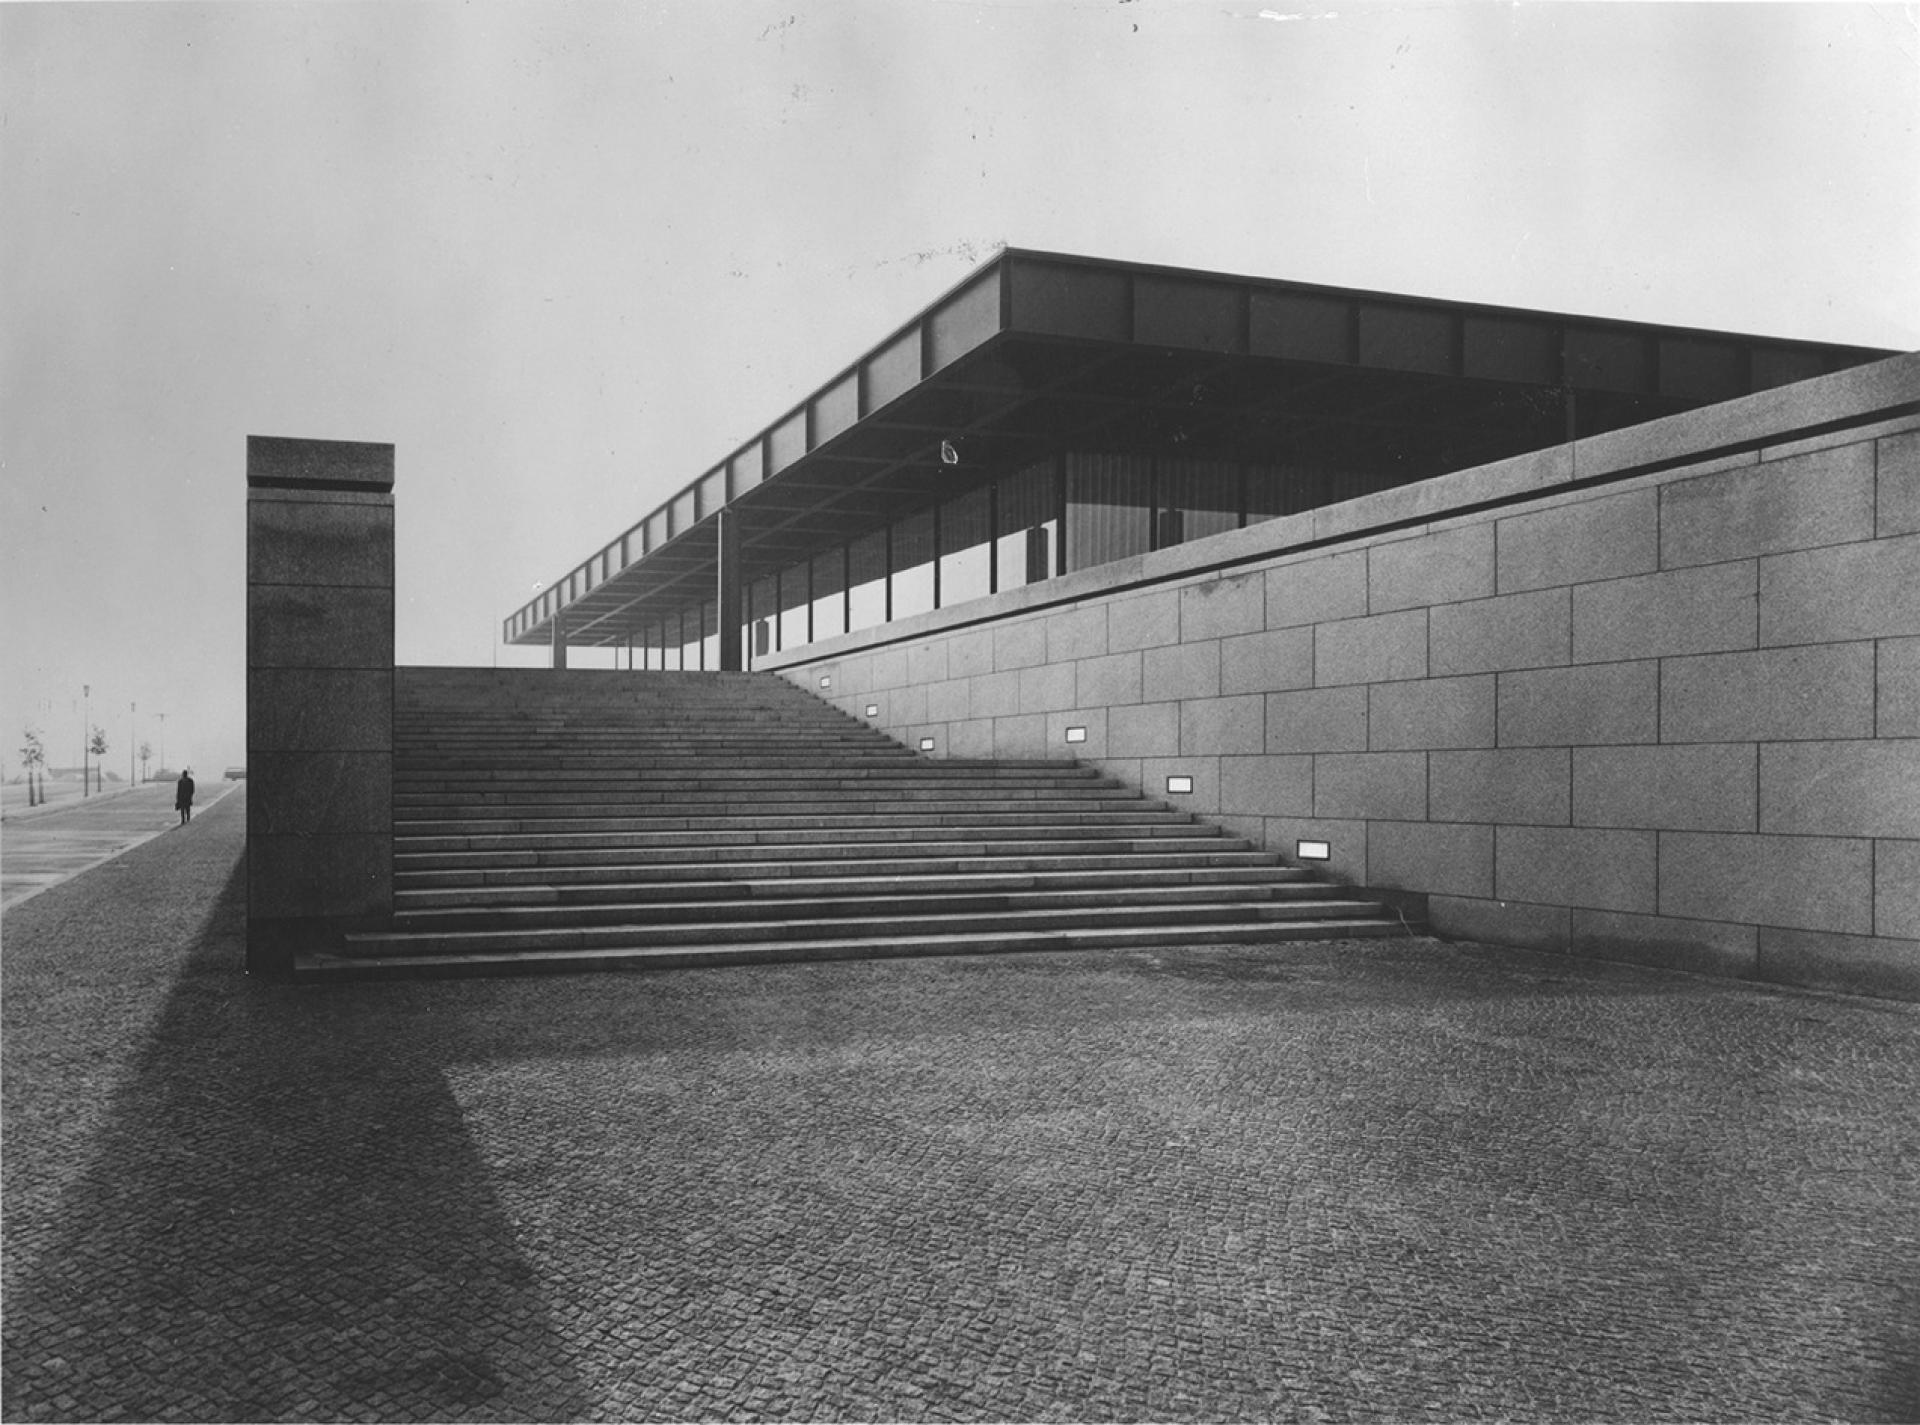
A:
<point x="565" y="257"/>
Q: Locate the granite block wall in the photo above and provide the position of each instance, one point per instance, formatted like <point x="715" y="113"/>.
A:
<point x="1654" y="696"/>
<point x="319" y="691"/>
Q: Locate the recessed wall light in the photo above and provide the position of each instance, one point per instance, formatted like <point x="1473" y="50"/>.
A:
<point x="1312" y="850"/>
<point x="1179" y="784"/>
<point x="1076" y="734"/>
<point x="826" y="682"/>
<point x="926" y="744"/>
<point x="873" y="710"/>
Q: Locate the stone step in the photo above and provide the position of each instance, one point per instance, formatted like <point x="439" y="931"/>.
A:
<point x="648" y="772"/>
<point x="682" y="855"/>
<point x="821" y="768"/>
<point x="587" y="819"/>
<point x="623" y="690"/>
<point x="1130" y="829"/>
<point x="839" y="819"/>
<point x="625" y="712"/>
<point x="1282" y="882"/>
<point x="416" y="805"/>
<point x="730" y="720"/>
<point x="547" y="874"/>
<point x="631" y="718"/>
<point x="879" y="927"/>
<point x="871" y="900"/>
<point x="522" y="760"/>
<point x="639" y="719"/>
<point x="705" y="731"/>
<point x="502" y="961"/>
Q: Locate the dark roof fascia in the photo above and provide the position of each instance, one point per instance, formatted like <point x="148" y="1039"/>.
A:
<point x="1404" y="299"/>
<point x="760" y="438"/>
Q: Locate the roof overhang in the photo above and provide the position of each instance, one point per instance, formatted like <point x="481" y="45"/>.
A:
<point x="1037" y="353"/>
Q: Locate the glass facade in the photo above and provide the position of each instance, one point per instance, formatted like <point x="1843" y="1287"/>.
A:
<point x="1109" y="508"/>
<point x="701" y="648"/>
<point x="693" y="643"/>
<point x="1026" y="526"/>
<point x="966" y="547"/>
<point x="830" y="593"/>
<point x="913" y="565"/>
<point x="1075" y="511"/>
<point x="796" y="606"/>
<point x="867" y="577"/>
<point x="763" y="616"/>
<point x="682" y="640"/>
<point x="1196" y="498"/>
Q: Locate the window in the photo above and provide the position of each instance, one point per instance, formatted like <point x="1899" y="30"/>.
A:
<point x="867" y="573"/>
<point x="913" y="563"/>
<point x="763" y="613"/>
<point x="965" y="548"/>
<point x="830" y="594"/>
<point x="795" y="606"/>
<point x="691" y="643"/>
<point x="1196" y="498"/>
<point x="710" y="634"/>
<point x="1025" y="526"/>
<point x="1108" y="508"/>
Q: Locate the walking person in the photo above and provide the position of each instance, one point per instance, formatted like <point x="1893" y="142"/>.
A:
<point x="183" y="796"/>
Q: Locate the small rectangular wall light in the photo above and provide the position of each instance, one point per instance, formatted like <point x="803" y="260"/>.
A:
<point x="926" y="744"/>
<point x="826" y="681"/>
<point x="1076" y="734"/>
<point x="1312" y="850"/>
<point x="873" y="710"/>
<point x="1179" y="784"/>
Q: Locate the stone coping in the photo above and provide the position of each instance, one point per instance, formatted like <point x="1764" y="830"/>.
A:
<point x="289" y="462"/>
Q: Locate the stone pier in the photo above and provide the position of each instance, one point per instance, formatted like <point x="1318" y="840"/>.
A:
<point x="319" y="692"/>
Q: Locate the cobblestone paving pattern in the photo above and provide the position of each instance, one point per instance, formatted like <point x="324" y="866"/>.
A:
<point x="1331" y="1181"/>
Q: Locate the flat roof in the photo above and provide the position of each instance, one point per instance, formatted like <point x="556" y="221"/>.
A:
<point x="1037" y="352"/>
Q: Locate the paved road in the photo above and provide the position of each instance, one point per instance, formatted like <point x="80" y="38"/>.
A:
<point x="16" y="800"/>
<point x="43" y="848"/>
<point x="1339" y="1181"/>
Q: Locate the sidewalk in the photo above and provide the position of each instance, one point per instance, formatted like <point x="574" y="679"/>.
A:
<point x="1374" y="1180"/>
<point x="48" y="845"/>
<point x="60" y="796"/>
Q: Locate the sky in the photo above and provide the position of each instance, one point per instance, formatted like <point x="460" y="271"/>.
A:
<point x="567" y="256"/>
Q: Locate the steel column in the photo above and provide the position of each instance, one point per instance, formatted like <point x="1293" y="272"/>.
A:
<point x="727" y="572"/>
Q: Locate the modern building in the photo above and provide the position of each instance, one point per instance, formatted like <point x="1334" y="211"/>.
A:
<point x="1598" y="635"/>
<point x="1562" y="632"/>
<point x="1054" y="414"/>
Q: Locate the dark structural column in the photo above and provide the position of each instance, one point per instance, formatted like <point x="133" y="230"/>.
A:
<point x="319" y="693"/>
<point x="559" y="640"/>
<point x="727" y="596"/>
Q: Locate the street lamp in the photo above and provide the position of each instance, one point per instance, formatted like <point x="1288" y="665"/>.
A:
<point x="133" y="741"/>
<point x="86" y="722"/>
<point x="163" y="742"/>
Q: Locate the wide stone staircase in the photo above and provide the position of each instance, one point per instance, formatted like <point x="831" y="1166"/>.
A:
<point x="557" y="820"/>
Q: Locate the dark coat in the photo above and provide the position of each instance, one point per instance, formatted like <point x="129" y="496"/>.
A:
<point x="183" y="793"/>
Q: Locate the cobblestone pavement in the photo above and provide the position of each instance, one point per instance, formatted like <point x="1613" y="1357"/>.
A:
<point x="1332" y="1181"/>
<point x="43" y="847"/>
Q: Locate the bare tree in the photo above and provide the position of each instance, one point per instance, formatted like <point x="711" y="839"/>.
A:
<point x="34" y="757"/>
<point x="98" y="746"/>
<point x="146" y="756"/>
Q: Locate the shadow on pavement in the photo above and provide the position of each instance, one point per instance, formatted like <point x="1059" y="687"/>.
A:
<point x="1395" y="1182"/>
<point x="268" y="1231"/>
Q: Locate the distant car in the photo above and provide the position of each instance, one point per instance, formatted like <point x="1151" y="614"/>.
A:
<point x="236" y="774"/>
